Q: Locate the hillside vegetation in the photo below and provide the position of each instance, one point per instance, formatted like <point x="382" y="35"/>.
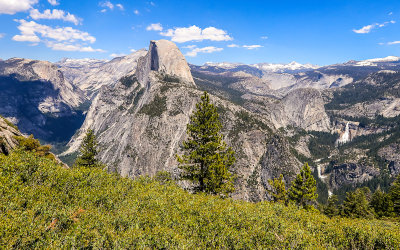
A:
<point x="45" y="206"/>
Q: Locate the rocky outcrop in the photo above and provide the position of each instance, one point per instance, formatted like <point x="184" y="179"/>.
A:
<point x="391" y="154"/>
<point x="141" y="123"/>
<point x="303" y="108"/>
<point x="26" y="70"/>
<point x="8" y="131"/>
<point x="91" y="75"/>
<point x="350" y="174"/>
<point x="36" y="96"/>
<point x="165" y="58"/>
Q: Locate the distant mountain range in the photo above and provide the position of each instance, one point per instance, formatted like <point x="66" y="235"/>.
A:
<point x="275" y="116"/>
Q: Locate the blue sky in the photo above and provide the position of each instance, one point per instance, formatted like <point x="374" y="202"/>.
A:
<point x="317" y="32"/>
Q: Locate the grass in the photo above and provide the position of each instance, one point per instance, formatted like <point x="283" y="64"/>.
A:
<point x="45" y="206"/>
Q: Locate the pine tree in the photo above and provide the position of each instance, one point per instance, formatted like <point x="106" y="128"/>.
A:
<point x="88" y="151"/>
<point x="382" y="204"/>
<point x="356" y="204"/>
<point x="303" y="188"/>
<point x="331" y="209"/>
<point x="395" y="195"/>
<point x="208" y="160"/>
<point x="278" y="191"/>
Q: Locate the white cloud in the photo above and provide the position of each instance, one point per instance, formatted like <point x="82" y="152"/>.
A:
<point x="120" y="6"/>
<point x="264" y="37"/>
<point x="390" y="13"/>
<point x="71" y="47"/>
<point x="366" y="29"/>
<point x="64" y="38"/>
<point x="194" y="33"/>
<point x="256" y="46"/>
<point x="155" y="26"/>
<point x="30" y="30"/>
<point x="106" y="4"/>
<point x="13" y="6"/>
<point x="53" y="2"/>
<point x="152" y="4"/>
<point x="2" y="35"/>
<point x="394" y="42"/>
<point x="209" y="49"/>
<point x="136" y="12"/>
<point x="233" y="45"/>
<point x="132" y="50"/>
<point x="55" y="14"/>
<point x="189" y="46"/>
<point x="117" y="55"/>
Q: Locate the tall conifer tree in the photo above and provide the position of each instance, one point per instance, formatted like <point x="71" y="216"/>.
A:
<point x="278" y="192"/>
<point x="88" y="151"/>
<point x="208" y="160"/>
<point x="303" y="188"/>
<point x="395" y="195"/>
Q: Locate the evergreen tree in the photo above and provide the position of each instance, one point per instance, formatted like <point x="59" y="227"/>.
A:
<point x="382" y="204"/>
<point x="356" y="204"/>
<point x="88" y="151"/>
<point x="331" y="209"/>
<point x="303" y="188"/>
<point x="395" y="195"/>
<point x="208" y="159"/>
<point x="278" y="192"/>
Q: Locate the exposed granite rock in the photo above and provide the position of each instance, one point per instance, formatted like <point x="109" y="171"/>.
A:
<point x="36" y="96"/>
<point x="350" y="174"/>
<point x="165" y="58"/>
<point x="391" y="154"/>
<point x="141" y="123"/>
<point x="91" y="75"/>
<point x="7" y="136"/>
<point x="303" y="108"/>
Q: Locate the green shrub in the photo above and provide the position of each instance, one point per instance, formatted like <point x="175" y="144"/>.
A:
<point x="45" y="206"/>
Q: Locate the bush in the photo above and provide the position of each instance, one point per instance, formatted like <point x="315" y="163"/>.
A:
<point x="45" y="206"/>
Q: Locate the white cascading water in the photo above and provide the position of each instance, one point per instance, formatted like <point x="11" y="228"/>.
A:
<point x="345" y="137"/>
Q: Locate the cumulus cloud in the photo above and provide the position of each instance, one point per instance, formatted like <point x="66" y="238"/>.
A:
<point x="63" y="38"/>
<point x="209" y="49"/>
<point x="194" y="33"/>
<point x="366" y="29"/>
<point x="255" y="46"/>
<point x="55" y="14"/>
<point x="53" y="2"/>
<point x="13" y="6"/>
<point x="31" y="30"/>
<point x="136" y="12"/>
<point x="233" y="45"/>
<point x="120" y="6"/>
<point x="132" y="50"/>
<point x="155" y="26"/>
<point x="107" y="4"/>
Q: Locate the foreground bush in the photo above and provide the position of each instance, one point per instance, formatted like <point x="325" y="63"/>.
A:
<point x="45" y="206"/>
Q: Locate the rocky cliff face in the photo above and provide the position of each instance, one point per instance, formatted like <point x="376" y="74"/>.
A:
<point x="91" y="75"/>
<point x="7" y="136"/>
<point x="141" y="123"/>
<point x="36" y="96"/>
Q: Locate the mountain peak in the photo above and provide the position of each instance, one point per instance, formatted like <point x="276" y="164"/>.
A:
<point x="164" y="57"/>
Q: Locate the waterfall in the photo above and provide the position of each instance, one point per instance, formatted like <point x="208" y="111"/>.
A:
<point x="345" y="137"/>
